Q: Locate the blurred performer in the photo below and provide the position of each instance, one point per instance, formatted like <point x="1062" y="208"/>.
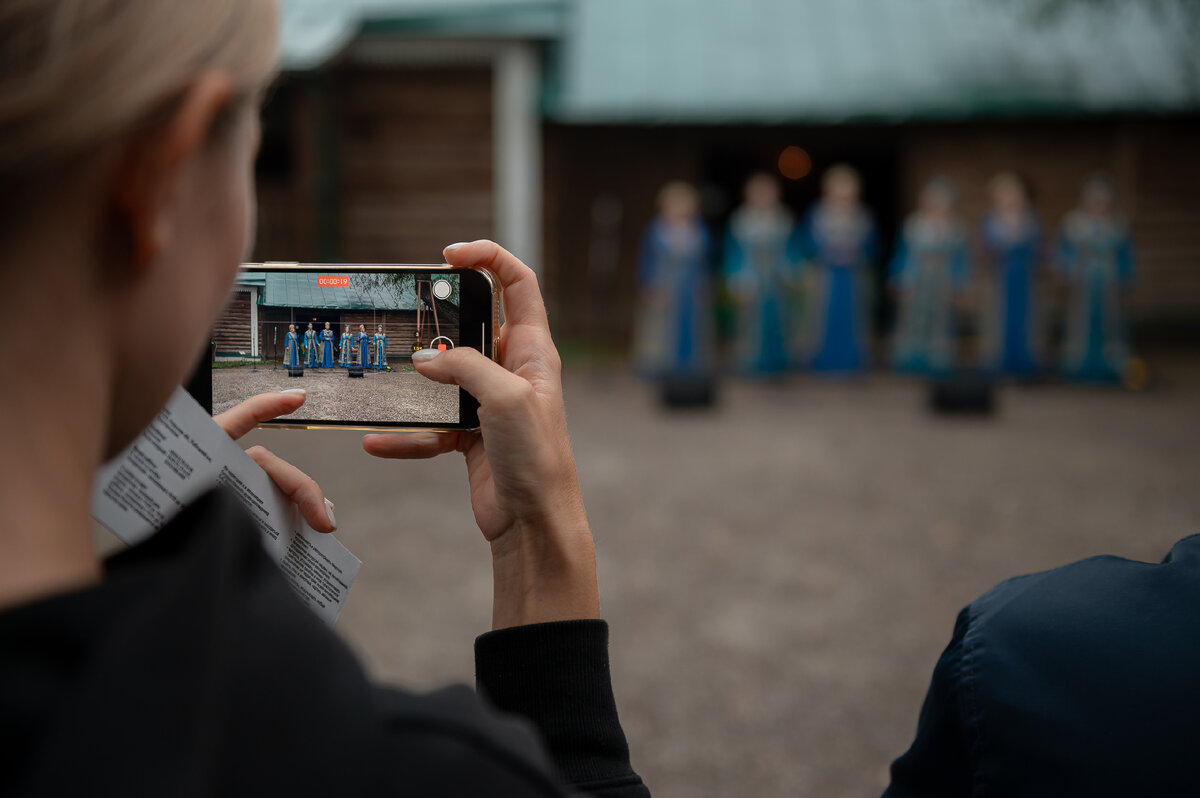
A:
<point x="674" y="330"/>
<point x="310" y="347"/>
<point x="928" y="273"/>
<point x="761" y="251"/>
<point x="1095" y="260"/>
<point x="291" y="347"/>
<point x="1011" y="244"/>
<point x="364" y="342"/>
<point x="839" y="240"/>
<point x="346" y="342"/>
<point x="381" y="343"/>
<point x="327" y="347"/>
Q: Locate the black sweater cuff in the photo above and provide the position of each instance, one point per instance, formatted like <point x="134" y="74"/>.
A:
<point x="557" y="675"/>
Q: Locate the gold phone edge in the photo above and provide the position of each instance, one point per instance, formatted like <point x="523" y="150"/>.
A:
<point x="364" y="428"/>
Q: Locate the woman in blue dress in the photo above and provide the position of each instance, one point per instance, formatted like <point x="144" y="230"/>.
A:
<point x="344" y="354"/>
<point x="327" y="347"/>
<point x="381" y="342"/>
<point x="310" y="347"/>
<point x="840" y="244"/>
<point x="760" y="268"/>
<point x="291" y="347"/>
<point x="1095" y="261"/>
<point x="674" y="330"/>
<point x="364" y="342"/>
<point x="1011" y="253"/>
<point x="928" y="275"/>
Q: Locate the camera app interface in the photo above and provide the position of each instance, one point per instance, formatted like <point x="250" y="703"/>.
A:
<point x="346" y="338"/>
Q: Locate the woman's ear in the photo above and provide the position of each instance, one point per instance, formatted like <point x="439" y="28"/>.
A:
<point x="151" y="166"/>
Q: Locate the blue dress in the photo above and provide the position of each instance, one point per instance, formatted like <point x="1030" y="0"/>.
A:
<point x="929" y="269"/>
<point x="291" y="349"/>
<point x="344" y="355"/>
<point x="761" y="254"/>
<point x="310" y="348"/>
<point x="381" y="352"/>
<point x="327" y="349"/>
<point x="840" y="246"/>
<point x="363" y="345"/>
<point x="1095" y="259"/>
<point x="1012" y="332"/>
<point x="674" y="330"/>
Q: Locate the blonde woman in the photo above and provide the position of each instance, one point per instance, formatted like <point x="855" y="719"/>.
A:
<point x="128" y="131"/>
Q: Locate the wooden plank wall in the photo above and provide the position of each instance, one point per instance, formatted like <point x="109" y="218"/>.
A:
<point x="415" y="161"/>
<point x="400" y="328"/>
<point x="232" y="329"/>
<point x="399" y="325"/>
<point x="287" y="193"/>
<point x="411" y="161"/>
<point x="1155" y="163"/>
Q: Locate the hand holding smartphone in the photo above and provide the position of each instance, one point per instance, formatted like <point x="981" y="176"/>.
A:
<point x="521" y="472"/>
<point x="346" y="335"/>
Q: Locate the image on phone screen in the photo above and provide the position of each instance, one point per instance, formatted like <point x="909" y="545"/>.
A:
<point x="347" y="338"/>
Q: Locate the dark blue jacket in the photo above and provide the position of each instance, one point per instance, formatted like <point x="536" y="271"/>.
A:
<point x="1084" y="680"/>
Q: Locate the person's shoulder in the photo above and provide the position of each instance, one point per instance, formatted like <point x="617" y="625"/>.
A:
<point x="1084" y="588"/>
<point x="275" y="676"/>
<point x="1090" y="668"/>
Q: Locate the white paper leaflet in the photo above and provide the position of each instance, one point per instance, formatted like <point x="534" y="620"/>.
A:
<point x="183" y="454"/>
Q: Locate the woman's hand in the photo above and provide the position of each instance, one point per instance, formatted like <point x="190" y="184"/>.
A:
<point x="524" y="490"/>
<point x="304" y="492"/>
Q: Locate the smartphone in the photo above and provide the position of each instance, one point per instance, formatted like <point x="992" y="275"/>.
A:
<point x="346" y="334"/>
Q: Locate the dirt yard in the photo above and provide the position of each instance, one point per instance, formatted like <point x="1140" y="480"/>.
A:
<point x="780" y="574"/>
<point x="398" y="395"/>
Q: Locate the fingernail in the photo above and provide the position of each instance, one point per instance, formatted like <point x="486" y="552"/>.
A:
<point x="329" y="512"/>
<point x="454" y="246"/>
<point x="294" y="390"/>
<point x="425" y="355"/>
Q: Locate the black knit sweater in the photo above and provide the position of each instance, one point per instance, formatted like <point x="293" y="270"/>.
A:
<point x="192" y="670"/>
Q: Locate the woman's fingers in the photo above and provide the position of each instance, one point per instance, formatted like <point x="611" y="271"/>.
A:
<point x="299" y="487"/>
<point x="302" y="489"/>
<point x="411" y="445"/>
<point x="243" y="417"/>
<point x="525" y="336"/>
<point x="522" y="296"/>
<point x="488" y="381"/>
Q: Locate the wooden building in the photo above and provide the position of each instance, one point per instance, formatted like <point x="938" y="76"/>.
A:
<point x="550" y="125"/>
<point x="254" y="324"/>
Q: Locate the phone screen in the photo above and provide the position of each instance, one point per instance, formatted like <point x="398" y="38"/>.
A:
<point x="346" y="335"/>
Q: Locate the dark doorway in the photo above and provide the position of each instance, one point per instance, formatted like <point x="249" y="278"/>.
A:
<point x="735" y="155"/>
<point x="601" y="184"/>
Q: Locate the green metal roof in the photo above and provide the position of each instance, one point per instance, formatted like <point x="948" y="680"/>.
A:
<point x="252" y="278"/>
<point x="316" y="30"/>
<point x="301" y="291"/>
<point x="730" y="61"/>
<point x="831" y="60"/>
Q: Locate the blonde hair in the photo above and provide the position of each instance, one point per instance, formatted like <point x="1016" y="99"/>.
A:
<point x="77" y="74"/>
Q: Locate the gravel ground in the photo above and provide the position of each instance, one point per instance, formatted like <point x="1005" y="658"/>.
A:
<point x="399" y="395"/>
<point x="780" y="574"/>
